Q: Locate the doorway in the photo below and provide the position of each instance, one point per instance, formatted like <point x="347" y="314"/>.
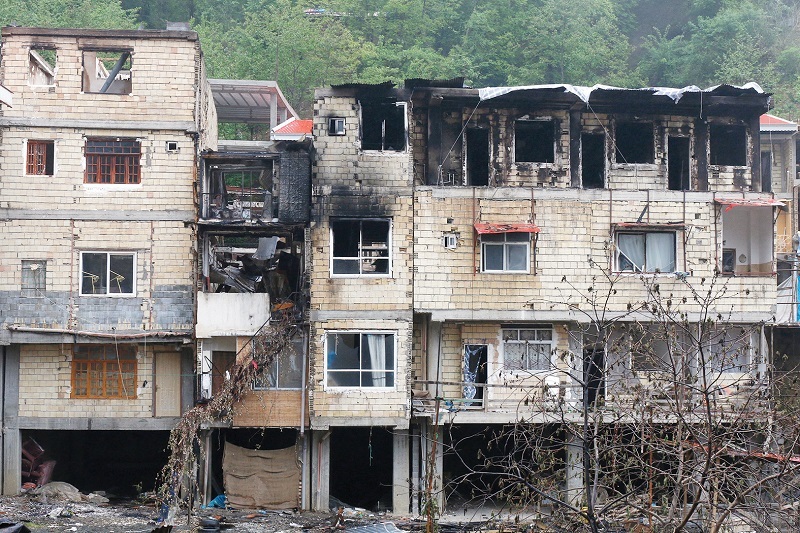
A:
<point x="478" y="157"/>
<point x="475" y="375"/>
<point x="678" y="173"/>
<point x="593" y="367"/>
<point x="593" y="160"/>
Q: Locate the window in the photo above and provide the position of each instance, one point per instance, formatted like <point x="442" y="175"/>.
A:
<point x="646" y="251"/>
<point x="728" y="145"/>
<point x="361" y="247"/>
<point x="41" y="66"/>
<point x="360" y="359"/>
<point x="104" y="371"/>
<point x="112" y="161"/>
<point x="505" y="252"/>
<point x="108" y="273"/>
<point x="747" y="240"/>
<point x="40" y="158"/>
<point x="727" y="349"/>
<point x="107" y="71"/>
<point x="286" y="371"/>
<point x="335" y="126"/>
<point x="527" y="348"/>
<point x="534" y="141"/>
<point x="635" y="142"/>
<point x="34" y="277"/>
<point x="383" y="126"/>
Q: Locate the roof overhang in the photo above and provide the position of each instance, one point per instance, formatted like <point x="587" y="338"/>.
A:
<point x="249" y="101"/>
<point x="483" y="228"/>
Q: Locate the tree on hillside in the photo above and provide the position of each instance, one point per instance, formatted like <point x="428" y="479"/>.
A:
<point x="67" y="14"/>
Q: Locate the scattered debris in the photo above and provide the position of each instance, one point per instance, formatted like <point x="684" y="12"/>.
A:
<point x="58" y="491"/>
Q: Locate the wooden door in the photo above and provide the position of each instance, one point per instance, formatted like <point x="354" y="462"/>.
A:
<point x="168" y="384"/>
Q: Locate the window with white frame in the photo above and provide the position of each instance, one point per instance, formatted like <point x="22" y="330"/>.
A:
<point x="361" y="247"/>
<point x="360" y="359"/>
<point x="505" y="252"/>
<point x="527" y="348"/>
<point x="286" y="371"/>
<point x="108" y="273"/>
<point x="646" y="251"/>
<point x="728" y="349"/>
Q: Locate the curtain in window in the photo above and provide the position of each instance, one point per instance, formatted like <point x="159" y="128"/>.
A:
<point x="660" y="252"/>
<point x="631" y="251"/>
<point x="377" y="359"/>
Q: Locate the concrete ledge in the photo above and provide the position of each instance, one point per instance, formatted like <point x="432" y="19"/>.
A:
<point x="327" y="422"/>
<point x="33" y="122"/>
<point x="322" y="315"/>
<point x="97" y="424"/>
<point x="105" y="214"/>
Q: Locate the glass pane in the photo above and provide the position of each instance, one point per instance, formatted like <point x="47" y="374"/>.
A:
<point x="517" y="237"/>
<point x="343" y="351"/>
<point x="630" y="255"/>
<point x="93" y="275"/>
<point x="660" y="252"/>
<point x="527" y="334"/>
<point x="386" y="379"/>
<point x="510" y="334"/>
<point x="375" y="233"/>
<point x="492" y="257"/>
<point x="544" y="334"/>
<point x="121" y="274"/>
<point x="514" y="356"/>
<point x="378" y="266"/>
<point x="290" y="366"/>
<point x="517" y="257"/>
<point x="338" y="378"/>
<point x="345" y="266"/>
<point x="493" y="237"/>
<point x="538" y="356"/>
<point x="345" y="238"/>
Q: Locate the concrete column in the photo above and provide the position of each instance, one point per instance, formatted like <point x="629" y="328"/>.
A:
<point x="417" y="475"/>
<point x="401" y="479"/>
<point x="305" y="481"/>
<point x="433" y="370"/>
<point x="12" y="464"/>
<point x="320" y="470"/>
<point x="575" y="474"/>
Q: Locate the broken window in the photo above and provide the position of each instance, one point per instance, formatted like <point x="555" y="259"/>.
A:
<point x="361" y="246"/>
<point x="593" y="160"/>
<point x="34" y="277"/>
<point x="104" y="371"/>
<point x="476" y="361"/>
<point x="527" y="348"/>
<point x="40" y="158"/>
<point x="242" y="190"/>
<point x="108" y="273"/>
<point x="383" y="126"/>
<point x="727" y="349"/>
<point x="107" y="71"/>
<point x="645" y="251"/>
<point x="747" y="238"/>
<point x="534" y="141"/>
<point x="678" y="168"/>
<point x="113" y="161"/>
<point x="360" y="359"/>
<point x="634" y="142"/>
<point x="505" y="252"/>
<point x="42" y="66"/>
<point x="286" y="371"/>
<point x="728" y="145"/>
<point x="336" y="126"/>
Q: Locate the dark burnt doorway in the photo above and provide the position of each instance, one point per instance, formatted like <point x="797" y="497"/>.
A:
<point x="478" y="157"/>
<point x="361" y="467"/>
<point x="593" y="160"/>
<point x="593" y="372"/>
<point x="678" y="167"/>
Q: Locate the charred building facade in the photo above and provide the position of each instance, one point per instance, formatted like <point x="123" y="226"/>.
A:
<point x="456" y="231"/>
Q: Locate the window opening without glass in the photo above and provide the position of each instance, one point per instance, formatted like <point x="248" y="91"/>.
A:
<point x="383" y="126"/>
<point x="634" y="142"/>
<point x="361" y="246"/>
<point x="107" y="71"/>
<point x="42" y="66"/>
<point x="534" y="141"/>
<point x="728" y="145"/>
<point x="360" y="359"/>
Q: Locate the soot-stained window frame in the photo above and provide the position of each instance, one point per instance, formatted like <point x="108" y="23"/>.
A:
<point x="727" y="145"/>
<point x="534" y="140"/>
<point x="384" y="125"/>
<point x="634" y="142"/>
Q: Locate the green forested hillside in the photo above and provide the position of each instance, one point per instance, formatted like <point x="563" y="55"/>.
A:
<point x="306" y="44"/>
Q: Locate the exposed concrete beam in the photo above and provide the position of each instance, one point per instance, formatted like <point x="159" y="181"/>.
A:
<point x="327" y="422"/>
<point x="319" y="315"/>
<point x="81" y="214"/>
<point x="34" y="122"/>
<point x="98" y="424"/>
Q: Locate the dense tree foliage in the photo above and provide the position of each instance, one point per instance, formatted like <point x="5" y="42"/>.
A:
<point x="306" y="43"/>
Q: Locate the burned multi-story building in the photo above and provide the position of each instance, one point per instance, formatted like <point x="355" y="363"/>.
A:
<point x="98" y="158"/>
<point x="456" y="232"/>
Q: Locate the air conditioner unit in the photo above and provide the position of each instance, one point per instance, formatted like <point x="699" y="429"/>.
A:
<point x="172" y="146"/>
